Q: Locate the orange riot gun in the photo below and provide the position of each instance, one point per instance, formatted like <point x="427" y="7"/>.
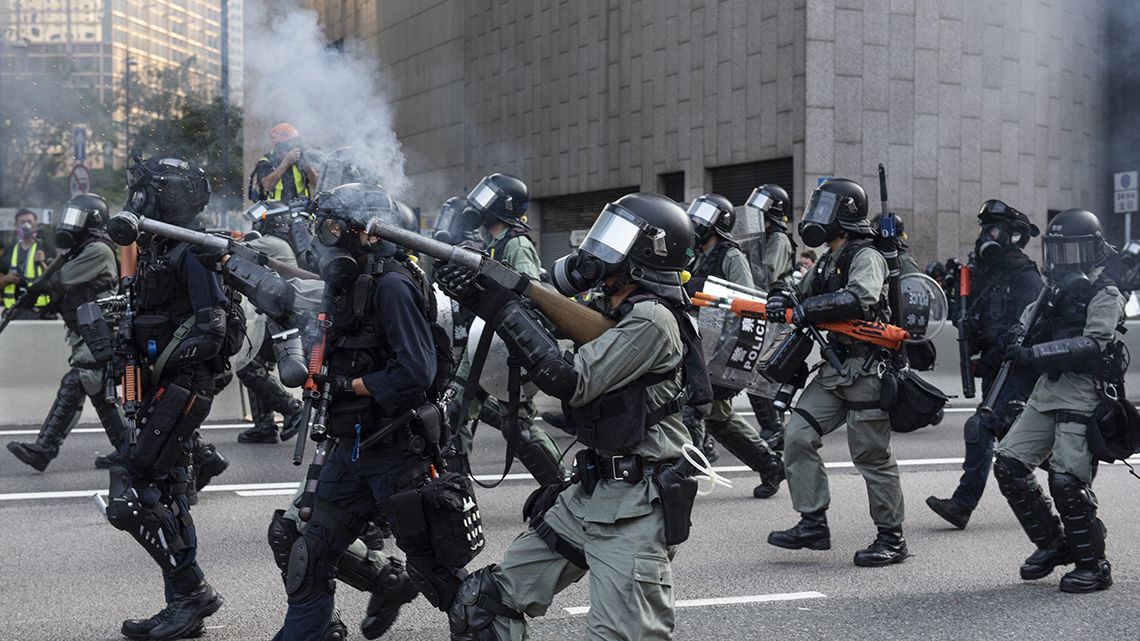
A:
<point x="876" y="333"/>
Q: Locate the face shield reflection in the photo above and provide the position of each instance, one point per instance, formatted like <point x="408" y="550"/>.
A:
<point x="823" y="208"/>
<point x="1064" y="253"/>
<point x="703" y="212"/>
<point x="483" y="195"/>
<point x="759" y="201"/>
<point x="612" y="235"/>
<point x="73" y="218"/>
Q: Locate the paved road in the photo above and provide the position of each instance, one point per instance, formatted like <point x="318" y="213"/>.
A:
<point x="67" y="575"/>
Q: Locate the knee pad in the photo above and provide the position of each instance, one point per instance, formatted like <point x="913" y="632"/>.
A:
<point x="1071" y="494"/>
<point x="148" y="525"/>
<point x="476" y="606"/>
<point x="972" y="430"/>
<point x="282" y="535"/>
<point x="437" y="583"/>
<point x="1012" y="475"/>
<point x="301" y="580"/>
<point x="71" y="388"/>
<point x="251" y="372"/>
<point x="371" y="572"/>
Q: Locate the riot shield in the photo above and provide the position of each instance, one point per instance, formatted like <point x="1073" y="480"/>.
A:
<point x="924" y="307"/>
<point x="732" y="345"/>
<point x="749" y="233"/>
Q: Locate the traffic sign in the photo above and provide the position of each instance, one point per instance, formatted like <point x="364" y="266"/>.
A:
<point x="80" y="180"/>
<point x="1125" y="180"/>
<point x="79" y="144"/>
<point x="1125" y="201"/>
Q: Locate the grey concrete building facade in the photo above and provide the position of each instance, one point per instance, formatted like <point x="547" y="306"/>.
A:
<point x="962" y="99"/>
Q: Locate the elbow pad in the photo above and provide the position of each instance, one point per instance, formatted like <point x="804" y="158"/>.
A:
<point x="204" y="340"/>
<point x="292" y="367"/>
<point x="835" y="306"/>
<point x="1078" y="354"/>
<point x="266" y="291"/>
<point x="537" y="351"/>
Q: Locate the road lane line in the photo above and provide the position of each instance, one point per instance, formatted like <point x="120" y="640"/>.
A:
<point x="242" y="426"/>
<point x="728" y="600"/>
<point x="289" y="487"/>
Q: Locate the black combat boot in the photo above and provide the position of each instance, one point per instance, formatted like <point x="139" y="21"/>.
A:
<point x="1084" y="533"/>
<point x="384" y="606"/>
<point x="185" y="612"/>
<point x="708" y="448"/>
<point x="1086" y="579"/>
<point x="336" y="630"/>
<point x="264" y="430"/>
<point x="1035" y="514"/>
<point x="61" y="418"/>
<point x="140" y="628"/>
<point x="759" y="457"/>
<point x="294" y="414"/>
<point x="106" y="461"/>
<point x="887" y="548"/>
<point x="811" y="532"/>
<point x="207" y="463"/>
<point x="950" y="511"/>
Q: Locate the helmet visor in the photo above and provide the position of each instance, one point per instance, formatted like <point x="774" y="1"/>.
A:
<point x="703" y="212"/>
<point x="759" y="201"/>
<point x="265" y="210"/>
<point x="613" y="234"/>
<point x="1079" y="252"/>
<point x="483" y="196"/>
<point x="73" y="218"/>
<point x="823" y="209"/>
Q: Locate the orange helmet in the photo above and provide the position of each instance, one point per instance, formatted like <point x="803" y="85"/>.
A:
<point x="282" y="132"/>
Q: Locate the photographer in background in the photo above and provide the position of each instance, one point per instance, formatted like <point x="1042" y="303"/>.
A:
<point x="283" y="174"/>
<point x="25" y="261"/>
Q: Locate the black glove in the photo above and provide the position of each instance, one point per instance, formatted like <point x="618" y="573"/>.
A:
<point x="338" y="385"/>
<point x="484" y="297"/>
<point x="457" y="282"/>
<point x="210" y="257"/>
<point x="776" y="308"/>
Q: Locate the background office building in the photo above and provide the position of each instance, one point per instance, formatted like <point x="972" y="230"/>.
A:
<point x="963" y="100"/>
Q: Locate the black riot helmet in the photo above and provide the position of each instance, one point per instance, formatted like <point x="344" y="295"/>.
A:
<point x="771" y="203"/>
<point x="342" y="214"/>
<point x="501" y="198"/>
<point x="1073" y="242"/>
<point x="270" y="218"/>
<point x="168" y="188"/>
<point x="1002" y="229"/>
<point x="837" y="205"/>
<point x="900" y="228"/>
<point x="645" y="238"/>
<point x="457" y="222"/>
<point x="1123" y="267"/>
<point x="81" y="216"/>
<point x="712" y="213"/>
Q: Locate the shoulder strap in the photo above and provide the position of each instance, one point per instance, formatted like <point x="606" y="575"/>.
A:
<point x="168" y="351"/>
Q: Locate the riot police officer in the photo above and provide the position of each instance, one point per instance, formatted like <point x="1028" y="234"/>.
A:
<point x="907" y="264"/>
<point x="184" y="332"/>
<point x="90" y="273"/>
<point x="625" y="389"/>
<point x="848" y="282"/>
<point x="271" y="236"/>
<point x="719" y="255"/>
<point x="1075" y="345"/>
<point x="500" y="203"/>
<point x="772" y="206"/>
<point x="382" y="378"/>
<point x="1003" y="282"/>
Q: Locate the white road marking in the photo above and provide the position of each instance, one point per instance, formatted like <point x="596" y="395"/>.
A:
<point x="728" y="600"/>
<point x="287" y="488"/>
<point x="242" y="426"/>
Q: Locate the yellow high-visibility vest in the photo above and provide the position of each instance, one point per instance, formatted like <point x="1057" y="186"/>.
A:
<point x="31" y="271"/>
<point x="298" y="183"/>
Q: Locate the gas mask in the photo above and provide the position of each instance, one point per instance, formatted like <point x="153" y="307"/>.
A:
<point x="996" y="238"/>
<point x="72" y="228"/>
<point x="821" y="220"/>
<point x="26" y="232"/>
<point x="456" y="222"/>
<point x="337" y="248"/>
<point x="602" y="254"/>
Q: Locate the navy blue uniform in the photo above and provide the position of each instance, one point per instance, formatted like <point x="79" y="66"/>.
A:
<point x="1002" y="292"/>
<point x="355" y="484"/>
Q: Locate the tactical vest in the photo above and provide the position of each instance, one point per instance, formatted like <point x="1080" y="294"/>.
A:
<point x="30" y="271"/>
<point x="69" y="298"/>
<point x="827" y="280"/>
<point x="712" y="265"/>
<point x="1067" y="310"/>
<point x="993" y="311"/>
<point x="359" y="345"/>
<point x="783" y="278"/>
<point x="619" y="419"/>
<point x="162" y="301"/>
<point x="500" y="245"/>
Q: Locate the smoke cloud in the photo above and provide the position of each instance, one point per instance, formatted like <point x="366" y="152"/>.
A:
<point x="335" y="98"/>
